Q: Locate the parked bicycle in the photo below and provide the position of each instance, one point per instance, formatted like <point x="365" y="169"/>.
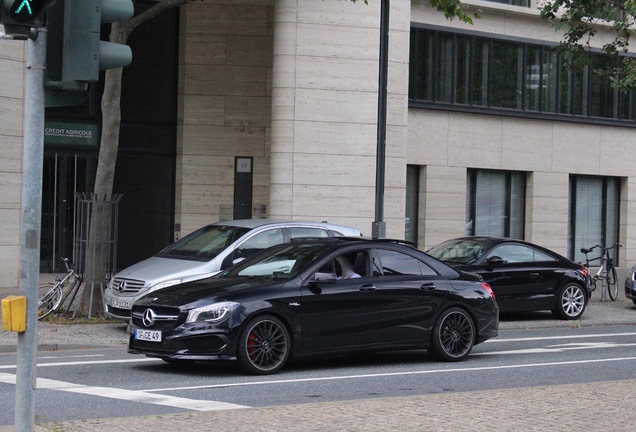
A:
<point x="51" y="296"/>
<point x="606" y="272"/>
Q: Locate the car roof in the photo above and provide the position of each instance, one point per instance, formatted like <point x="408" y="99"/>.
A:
<point x="257" y="223"/>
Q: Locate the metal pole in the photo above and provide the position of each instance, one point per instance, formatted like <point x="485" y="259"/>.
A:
<point x="32" y="160"/>
<point x="378" y="228"/>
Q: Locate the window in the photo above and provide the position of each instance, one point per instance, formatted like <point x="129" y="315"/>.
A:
<point x="516" y="253"/>
<point x="495" y="203"/>
<point x="300" y="232"/>
<point x="594" y="209"/>
<point x="476" y="72"/>
<point x="350" y="265"/>
<point x="399" y="264"/>
<point x="412" y="203"/>
<point x="261" y="241"/>
<point x="524" y="3"/>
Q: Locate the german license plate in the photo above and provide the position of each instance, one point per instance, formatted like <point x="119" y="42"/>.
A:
<point x="148" y="335"/>
<point x="121" y="304"/>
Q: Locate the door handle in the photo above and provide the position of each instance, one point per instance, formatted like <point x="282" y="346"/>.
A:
<point x="534" y="275"/>
<point x="367" y="288"/>
<point x="429" y="286"/>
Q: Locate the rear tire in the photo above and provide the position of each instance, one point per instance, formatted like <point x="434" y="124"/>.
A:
<point x="453" y="335"/>
<point x="570" y="302"/>
<point x="612" y="286"/>
<point x="49" y="299"/>
<point x="264" y="346"/>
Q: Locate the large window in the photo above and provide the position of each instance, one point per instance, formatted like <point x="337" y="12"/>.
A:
<point x="472" y="72"/>
<point x="594" y="209"/>
<point x="495" y="203"/>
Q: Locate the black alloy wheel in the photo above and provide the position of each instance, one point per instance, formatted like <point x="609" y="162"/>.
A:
<point x="264" y="346"/>
<point x="570" y="302"/>
<point x="453" y="335"/>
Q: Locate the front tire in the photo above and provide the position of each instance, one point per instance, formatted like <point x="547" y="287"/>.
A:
<point x="49" y="299"/>
<point x="612" y="286"/>
<point x="570" y="302"/>
<point x="264" y="346"/>
<point x="453" y="335"/>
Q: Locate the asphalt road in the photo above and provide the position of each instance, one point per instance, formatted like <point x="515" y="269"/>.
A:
<point x="106" y="383"/>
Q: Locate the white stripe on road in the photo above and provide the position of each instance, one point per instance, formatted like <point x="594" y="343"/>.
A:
<point x="89" y="362"/>
<point x="540" y="338"/>
<point x="558" y="348"/>
<point x="391" y="374"/>
<point x="69" y="356"/>
<point x="127" y="395"/>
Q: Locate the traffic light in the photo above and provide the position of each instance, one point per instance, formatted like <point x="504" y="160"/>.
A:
<point x="75" y="53"/>
<point x="18" y="16"/>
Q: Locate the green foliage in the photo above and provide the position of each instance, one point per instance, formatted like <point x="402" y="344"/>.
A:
<point x="580" y="20"/>
<point x="454" y="9"/>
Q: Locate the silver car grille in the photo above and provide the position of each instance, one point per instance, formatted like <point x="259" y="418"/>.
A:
<point x="127" y="286"/>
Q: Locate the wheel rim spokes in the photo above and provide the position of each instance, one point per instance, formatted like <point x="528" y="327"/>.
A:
<point x="266" y="345"/>
<point x="456" y="334"/>
<point x="573" y="301"/>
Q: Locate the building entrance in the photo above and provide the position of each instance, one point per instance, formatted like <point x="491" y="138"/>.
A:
<point x="64" y="173"/>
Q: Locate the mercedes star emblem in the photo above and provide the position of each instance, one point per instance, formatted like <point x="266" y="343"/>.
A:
<point x="148" y="318"/>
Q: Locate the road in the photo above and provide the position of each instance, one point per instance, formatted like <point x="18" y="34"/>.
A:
<point x="106" y="383"/>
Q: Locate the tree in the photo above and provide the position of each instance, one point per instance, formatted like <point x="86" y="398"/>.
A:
<point x="111" y="121"/>
<point x="581" y="20"/>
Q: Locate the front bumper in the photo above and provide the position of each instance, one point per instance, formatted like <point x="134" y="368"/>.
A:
<point x="630" y="289"/>
<point x="185" y="343"/>
<point x="117" y="306"/>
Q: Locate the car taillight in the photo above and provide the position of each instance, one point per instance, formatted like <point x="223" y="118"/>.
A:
<point x="485" y="286"/>
<point x="584" y="272"/>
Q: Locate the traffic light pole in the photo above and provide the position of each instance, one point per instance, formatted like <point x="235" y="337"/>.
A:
<point x="32" y="160"/>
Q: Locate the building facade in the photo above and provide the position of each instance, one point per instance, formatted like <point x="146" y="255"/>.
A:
<point x="268" y="108"/>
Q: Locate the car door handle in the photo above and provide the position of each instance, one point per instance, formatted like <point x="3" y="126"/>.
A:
<point x="367" y="288"/>
<point x="534" y="275"/>
<point x="429" y="286"/>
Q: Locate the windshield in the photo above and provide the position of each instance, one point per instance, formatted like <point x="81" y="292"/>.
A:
<point x="205" y="243"/>
<point x="459" y="251"/>
<point x="280" y="262"/>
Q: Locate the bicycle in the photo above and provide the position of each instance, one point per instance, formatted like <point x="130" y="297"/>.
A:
<point x="51" y="296"/>
<point x="606" y="272"/>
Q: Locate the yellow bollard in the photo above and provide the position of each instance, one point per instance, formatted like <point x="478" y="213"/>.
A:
<point x="14" y="313"/>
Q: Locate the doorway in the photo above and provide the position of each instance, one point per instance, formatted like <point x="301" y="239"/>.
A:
<point x="64" y="173"/>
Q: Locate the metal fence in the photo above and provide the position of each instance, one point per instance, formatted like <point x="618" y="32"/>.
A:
<point x="95" y="240"/>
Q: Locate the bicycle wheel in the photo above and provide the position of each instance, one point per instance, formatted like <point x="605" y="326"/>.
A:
<point x="612" y="286"/>
<point x="49" y="299"/>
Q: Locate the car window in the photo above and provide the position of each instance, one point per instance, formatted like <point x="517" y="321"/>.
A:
<point x="542" y="257"/>
<point x="397" y="264"/>
<point x="350" y="265"/>
<point x="299" y="232"/>
<point x="204" y="243"/>
<point x="513" y="253"/>
<point x="261" y="241"/>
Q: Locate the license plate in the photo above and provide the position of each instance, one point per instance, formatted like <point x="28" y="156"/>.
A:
<point x="121" y="304"/>
<point x="148" y="335"/>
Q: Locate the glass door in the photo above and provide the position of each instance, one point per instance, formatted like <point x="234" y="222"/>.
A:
<point x="64" y="173"/>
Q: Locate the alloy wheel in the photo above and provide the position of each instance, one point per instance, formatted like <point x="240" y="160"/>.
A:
<point x="456" y="334"/>
<point x="573" y="301"/>
<point x="266" y="345"/>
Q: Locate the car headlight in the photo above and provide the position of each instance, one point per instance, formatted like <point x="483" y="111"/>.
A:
<point x="165" y="284"/>
<point x="211" y="313"/>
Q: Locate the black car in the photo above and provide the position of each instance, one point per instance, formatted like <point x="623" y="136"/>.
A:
<point x="318" y="297"/>
<point x="524" y="276"/>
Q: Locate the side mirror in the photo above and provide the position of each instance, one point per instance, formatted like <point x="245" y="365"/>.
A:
<point x="238" y="260"/>
<point x="495" y="261"/>
<point x="230" y="260"/>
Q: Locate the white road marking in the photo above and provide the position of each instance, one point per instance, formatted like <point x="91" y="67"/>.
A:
<point x="539" y="338"/>
<point x="391" y="374"/>
<point x="89" y="362"/>
<point x="127" y="395"/>
<point x="70" y="356"/>
<point x="558" y="348"/>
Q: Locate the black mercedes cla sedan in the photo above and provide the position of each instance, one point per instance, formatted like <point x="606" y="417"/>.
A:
<point x="524" y="276"/>
<point x="318" y="297"/>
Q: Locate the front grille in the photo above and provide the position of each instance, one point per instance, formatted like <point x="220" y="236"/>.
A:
<point x="164" y="317"/>
<point x="127" y="286"/>
<point x="124" y="313"/>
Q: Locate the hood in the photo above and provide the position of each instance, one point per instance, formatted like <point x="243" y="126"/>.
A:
<point x="217" y="289"/>
<point x="157" y="269"/>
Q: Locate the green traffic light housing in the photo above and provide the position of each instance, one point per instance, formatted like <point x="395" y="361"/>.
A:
<point x="19" y="16"/>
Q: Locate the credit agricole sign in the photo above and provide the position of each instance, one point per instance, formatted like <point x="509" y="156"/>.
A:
<point x="81" y="134"/>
